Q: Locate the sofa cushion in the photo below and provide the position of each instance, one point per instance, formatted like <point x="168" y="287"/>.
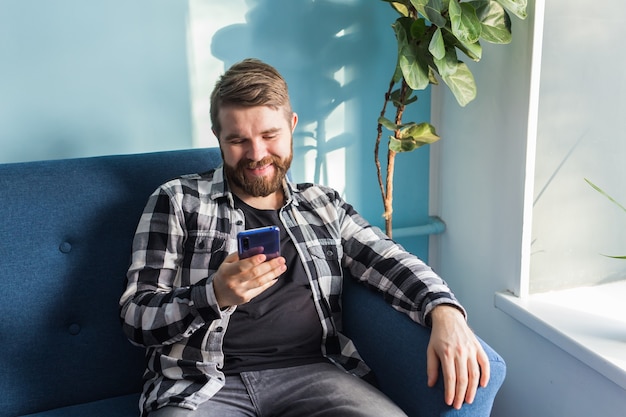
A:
<point x="67" y="228"/>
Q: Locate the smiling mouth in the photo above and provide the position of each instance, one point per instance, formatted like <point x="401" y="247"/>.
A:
<point x="260" y="171"/>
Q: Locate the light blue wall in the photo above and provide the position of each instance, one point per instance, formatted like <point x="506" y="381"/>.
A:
<point x="82" y="78"/>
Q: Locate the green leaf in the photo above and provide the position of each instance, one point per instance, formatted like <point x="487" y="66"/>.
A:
<point x="400" y="28"/>
<point x="388" y="124"/>
<point x="415" y="72"/>
<point x="474" y="51"/>
<point x="601" y="191"/>
<point x="412" y="137"/>
<point x="495" y="21"/>
<point x="418" y="28"/>
<point x="437" y="47"/>
<point x="449" y="64"/>
<point x="406" y="100"/>
<point x="434" y="12"/>
<point x="517" y="7"/>
<point x="612" y="200"/>
<point x="461" y="84"/>
<point x="400" y="6"/>
<point x="465" y="24"/>
<point x="431" y="76"/>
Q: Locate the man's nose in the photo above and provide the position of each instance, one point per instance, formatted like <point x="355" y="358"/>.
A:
<point x="257" y="150"/>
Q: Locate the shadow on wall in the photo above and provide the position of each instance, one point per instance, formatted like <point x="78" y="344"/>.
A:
<point x="313" y="44"/>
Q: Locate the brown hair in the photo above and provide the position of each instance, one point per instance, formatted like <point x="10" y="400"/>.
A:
<point x="249" y="83"/>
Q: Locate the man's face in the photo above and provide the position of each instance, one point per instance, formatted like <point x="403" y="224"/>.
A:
<point x="256" y="144"/>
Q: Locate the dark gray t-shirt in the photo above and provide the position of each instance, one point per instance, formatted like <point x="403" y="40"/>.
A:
<point x="280" y="327"/>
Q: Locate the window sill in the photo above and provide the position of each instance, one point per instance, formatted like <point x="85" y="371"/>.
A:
<point x="589" y="323"/>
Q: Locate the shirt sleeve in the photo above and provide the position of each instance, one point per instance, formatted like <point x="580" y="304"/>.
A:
<point x="407" y="282"/>
<point x="153" y="309"/>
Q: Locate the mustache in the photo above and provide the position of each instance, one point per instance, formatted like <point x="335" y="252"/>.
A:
<point x="268" y="160"/>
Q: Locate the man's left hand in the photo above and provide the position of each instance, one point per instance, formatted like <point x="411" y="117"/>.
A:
<point x="455" y="348"/>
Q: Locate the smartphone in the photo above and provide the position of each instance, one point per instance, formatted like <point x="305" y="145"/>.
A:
<point x="262" y="240"/>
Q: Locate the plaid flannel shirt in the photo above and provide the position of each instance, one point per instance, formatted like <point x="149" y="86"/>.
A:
<point x="189" y="226"/>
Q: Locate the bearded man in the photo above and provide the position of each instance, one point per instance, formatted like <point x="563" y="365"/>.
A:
<point x="226" y="336"/>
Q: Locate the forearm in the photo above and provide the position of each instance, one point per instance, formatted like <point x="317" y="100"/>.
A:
<point x="410" y="284"/>
<point x="152" y="317"/>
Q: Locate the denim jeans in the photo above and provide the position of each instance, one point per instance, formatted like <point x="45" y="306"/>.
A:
<point x="317" y="390"/>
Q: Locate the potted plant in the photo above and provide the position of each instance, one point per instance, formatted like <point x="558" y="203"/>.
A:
<point x="431" y="34"/>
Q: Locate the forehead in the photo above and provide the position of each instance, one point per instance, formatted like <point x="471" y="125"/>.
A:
<point x="240" y="118"/>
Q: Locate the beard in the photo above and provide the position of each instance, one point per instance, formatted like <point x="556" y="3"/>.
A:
<point x="259" y="186"/>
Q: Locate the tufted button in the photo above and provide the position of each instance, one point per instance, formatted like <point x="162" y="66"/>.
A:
<point x="65" y="247"/>
<point x="74" y="329"/>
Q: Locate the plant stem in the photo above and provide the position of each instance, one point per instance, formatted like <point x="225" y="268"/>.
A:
<point x="386" y="192"/>
<point x="388" y="200"/>
<point x="391" y="162"/>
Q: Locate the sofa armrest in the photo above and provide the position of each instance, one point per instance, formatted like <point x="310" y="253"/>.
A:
<point x="395" y="348"/>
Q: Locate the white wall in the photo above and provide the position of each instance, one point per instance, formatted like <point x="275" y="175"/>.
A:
<point x="479" y="168"/>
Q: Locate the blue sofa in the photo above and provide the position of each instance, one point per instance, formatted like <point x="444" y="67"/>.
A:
<point x="66" y="228"/>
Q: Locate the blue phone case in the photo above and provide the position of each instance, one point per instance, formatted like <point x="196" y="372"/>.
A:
<point x="262" y="240"/>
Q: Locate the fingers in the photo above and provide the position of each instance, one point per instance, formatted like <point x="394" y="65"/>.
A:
<point x="461" y="376"/>
<point x="485" y="367"/>
<point x="472" y="370"/>
<point x="432" y="366"/>
<point x="239" y="281"/>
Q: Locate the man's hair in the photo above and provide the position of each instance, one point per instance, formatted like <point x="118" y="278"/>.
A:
<point x="249" y="83"/>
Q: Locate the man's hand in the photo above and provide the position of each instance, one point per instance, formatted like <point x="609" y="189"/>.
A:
<point x="463" y="361"/>
<point x="238" y="281"/>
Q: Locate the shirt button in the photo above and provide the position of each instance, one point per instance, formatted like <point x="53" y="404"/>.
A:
<point x="219" y="329"/>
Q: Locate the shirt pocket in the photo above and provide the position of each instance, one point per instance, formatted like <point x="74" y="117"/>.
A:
<point x="326" y="257"/>
<point x="206" y="249"/>
<point x="205" y="241"/>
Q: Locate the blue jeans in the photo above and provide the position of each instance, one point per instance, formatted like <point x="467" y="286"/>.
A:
<point x="317" y="390"/>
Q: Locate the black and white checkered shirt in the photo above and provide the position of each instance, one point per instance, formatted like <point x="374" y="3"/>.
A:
<point x="190" y="225"/>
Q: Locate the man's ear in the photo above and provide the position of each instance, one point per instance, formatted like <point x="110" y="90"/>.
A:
<point x="294" y="121"/>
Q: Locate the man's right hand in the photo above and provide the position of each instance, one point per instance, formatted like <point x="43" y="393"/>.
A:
<point x="238" y="281"/>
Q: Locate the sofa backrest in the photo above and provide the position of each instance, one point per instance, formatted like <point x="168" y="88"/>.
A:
<point x="66" y="228"/>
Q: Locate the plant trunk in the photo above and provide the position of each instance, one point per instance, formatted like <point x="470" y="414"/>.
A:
<point x="386" y="186"/>
<point x="388" y="200"/>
